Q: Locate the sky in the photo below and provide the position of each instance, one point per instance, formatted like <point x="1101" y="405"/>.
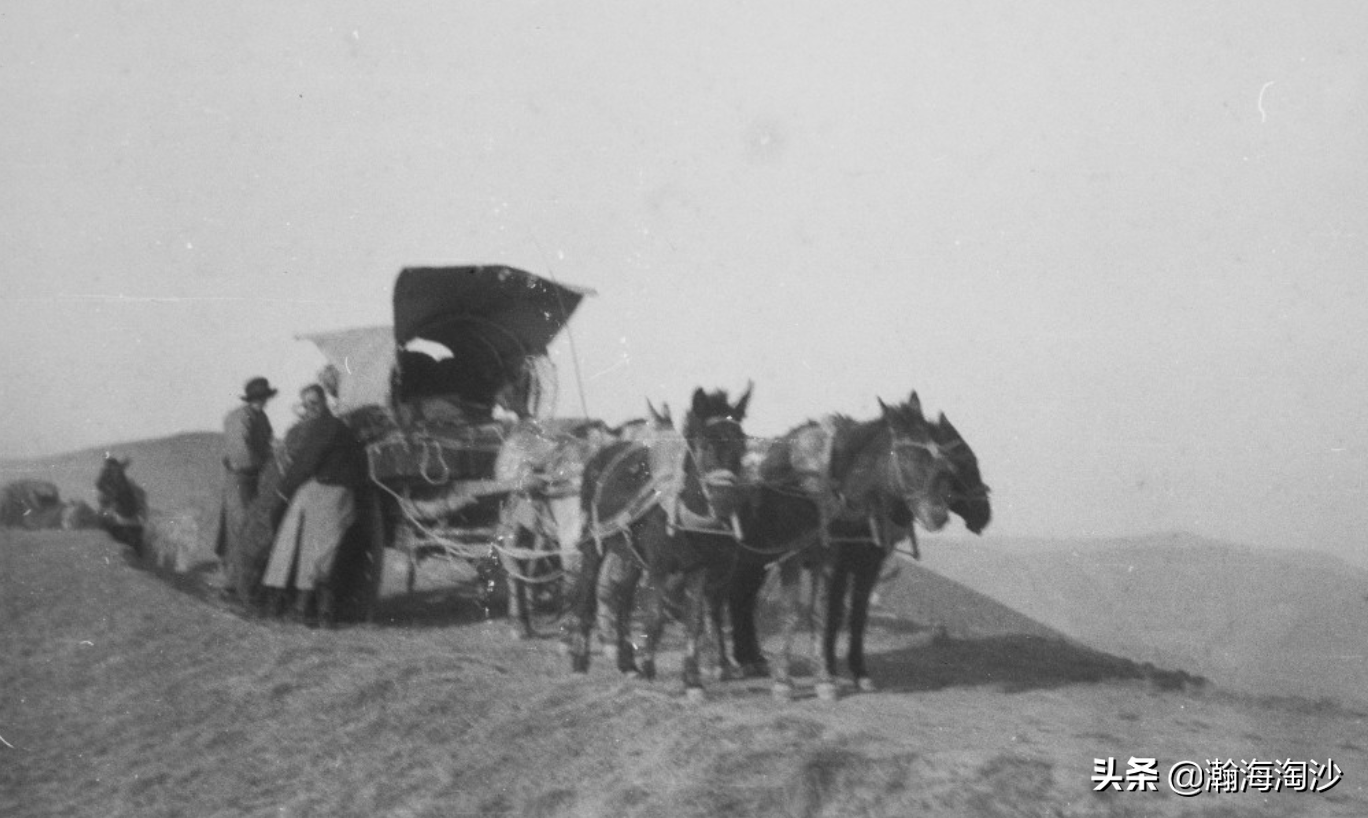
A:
<point x="1120" y="246"/>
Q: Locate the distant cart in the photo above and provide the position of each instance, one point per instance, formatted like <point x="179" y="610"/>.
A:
<point x="453" y="403"/>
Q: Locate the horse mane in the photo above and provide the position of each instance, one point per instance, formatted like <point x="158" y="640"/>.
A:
<point x="851" y="437"/>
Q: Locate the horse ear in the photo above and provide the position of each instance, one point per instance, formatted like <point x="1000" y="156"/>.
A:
<point x="650" y="408"/>
<point x="700" y="403"/>
<point x="914" y="403"/>
<point x="944" y="423"/>
<point x="665" y="414"/>
<point x="745" y="399"/>
<point x="883" y="407"/>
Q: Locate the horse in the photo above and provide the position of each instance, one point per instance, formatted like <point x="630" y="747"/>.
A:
<point x="969" y="495"/>
<point x="661" y="509"/>
<point x="541" y="515"/>
<point x="543" y="465"/>
<point x="122" y="503"/>
<point x="834" y="497"/>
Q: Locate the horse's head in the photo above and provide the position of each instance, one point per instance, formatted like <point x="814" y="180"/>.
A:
<point x="969" y="496"/>
<point x="646" y="429"/>
<point x="717" y="443"/>
<point x="921" y="473"/>
<point x="114" y="488"/>
<point x="113" y="475"/>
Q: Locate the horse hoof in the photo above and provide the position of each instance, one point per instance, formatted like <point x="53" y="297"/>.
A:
<point x="827" y="691"/>
<point x="867" y="684"/>
<point x="695" y="695"/>
<point x="610" y="653"/>
<point x="579" y="664"/>
<point x="782" y="692"/>
<point x="754" y="670"/>
<point x="520" y="635"/>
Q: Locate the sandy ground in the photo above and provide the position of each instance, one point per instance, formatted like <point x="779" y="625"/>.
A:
<point x="129" y="693"/>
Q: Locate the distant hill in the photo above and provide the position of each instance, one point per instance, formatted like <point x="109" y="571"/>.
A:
<point x="174" y="470"/>
<point x="181" y="474"/>
<point x="1254" y="619"/>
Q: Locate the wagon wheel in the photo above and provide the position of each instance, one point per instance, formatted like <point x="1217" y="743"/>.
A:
<point x="530" y="559"/>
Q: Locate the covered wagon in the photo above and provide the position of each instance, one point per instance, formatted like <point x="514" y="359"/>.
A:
<point x="452" y="402"/>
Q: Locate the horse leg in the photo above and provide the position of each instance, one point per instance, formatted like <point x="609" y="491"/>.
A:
<point x="831" y="627"/>
<point x="866" y="573"/>
<point x="655" y="623"/>
<point x="626" y="576"/>
<point x="742" y="596"/>
<point x="584" y="603"/>
<point x="716" y="600"/>
<point x="695" y="602"/>
<point x="607" y="588"/>
<point x="790" y="579"/>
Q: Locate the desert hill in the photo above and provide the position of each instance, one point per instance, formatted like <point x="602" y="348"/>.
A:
<point x="1006" y="670"/>
<point x="181" y="474"/>
<point x="1254" y="620"/>
<point x="131" y="693"/>
<point x="1250" y="619"/>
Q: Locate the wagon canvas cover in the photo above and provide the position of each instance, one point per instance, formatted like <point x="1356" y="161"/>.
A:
<point x="490" y="319"/>
<point x="473" y="309"/>
<point x="363" y="358"/>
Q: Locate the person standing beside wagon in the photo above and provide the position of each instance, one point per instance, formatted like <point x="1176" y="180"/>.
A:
<point x="247" y="438"/>
<point x="325" y="466"/>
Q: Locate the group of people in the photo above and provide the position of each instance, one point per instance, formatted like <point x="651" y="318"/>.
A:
<point x="306" y="487"/>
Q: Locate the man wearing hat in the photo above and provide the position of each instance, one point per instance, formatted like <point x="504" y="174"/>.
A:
<point x="247" y="438"/>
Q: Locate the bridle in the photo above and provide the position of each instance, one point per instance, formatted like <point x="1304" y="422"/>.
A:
<point x="697" y="459"/>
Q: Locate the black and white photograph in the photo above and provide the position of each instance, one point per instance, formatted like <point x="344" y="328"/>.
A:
<point x="530" y="408"/>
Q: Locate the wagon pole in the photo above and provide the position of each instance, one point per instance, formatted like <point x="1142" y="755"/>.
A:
<point x="569" y="332"/>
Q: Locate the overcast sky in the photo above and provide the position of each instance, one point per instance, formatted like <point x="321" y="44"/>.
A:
<point x="1121" y="246"/>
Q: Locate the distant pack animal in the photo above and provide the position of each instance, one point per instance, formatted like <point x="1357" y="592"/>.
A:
<point x="31" y="504"/>
<point x="122" y="503"/>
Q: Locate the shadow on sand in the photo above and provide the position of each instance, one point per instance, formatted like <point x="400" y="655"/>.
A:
<point x="1015" y="663"/>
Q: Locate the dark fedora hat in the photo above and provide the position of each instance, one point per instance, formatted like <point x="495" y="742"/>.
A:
<point x="257" y="389"/>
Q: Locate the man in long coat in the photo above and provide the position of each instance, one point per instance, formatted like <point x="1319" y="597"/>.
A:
<point x="247" y="437"/>
<point x="325" y="467"/>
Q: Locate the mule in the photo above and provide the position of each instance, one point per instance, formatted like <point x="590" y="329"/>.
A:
<point x="122" y="503"/>
<point x="834" y="498"/>
<point x="662" y="510"/>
